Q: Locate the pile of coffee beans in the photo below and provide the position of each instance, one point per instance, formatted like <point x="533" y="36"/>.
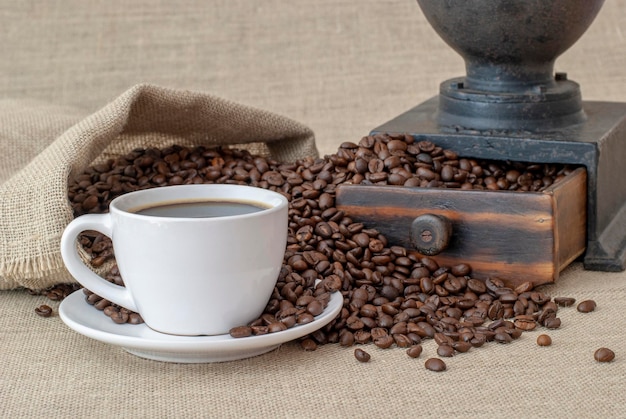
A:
<point x="392" y="296"/>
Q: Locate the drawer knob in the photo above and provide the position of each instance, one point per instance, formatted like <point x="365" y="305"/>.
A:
<point x="430" y="234"/>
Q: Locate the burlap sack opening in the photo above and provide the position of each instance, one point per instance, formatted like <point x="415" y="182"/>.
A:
<point x="34" y="207"/>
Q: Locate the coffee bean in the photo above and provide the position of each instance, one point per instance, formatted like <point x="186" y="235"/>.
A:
<point x="308" y="344"/>
<point x="414" y="351"/>
<point x="110" y="310"/>
<point x="564" y="301"/>
<point x="544" y="340"/>
<point x="402" y="341"/>
<point x="240" y="331"/>
<point x="524" y="287"/>
<point x="462" y="346"/>
<point x="258" y="330"/>
<point x="120" y="317"/>
<point x="276" y="327"/>
<point x="435" y="364"/>
<point x="552" y="323"/>
<point x="361" y="355"/>
<point x="135" y="318"/>
<point x="586" y="306"/>
<point x="604" y="355"/>
<point x="315" y="308"/>
<point x="44" y="310"/>
<point x="525" y="322"/>
<point x="384" y="342"/>
<point x="503" y="337"/>
<point x="445" y="350"/>
<point x="346" y="338"/>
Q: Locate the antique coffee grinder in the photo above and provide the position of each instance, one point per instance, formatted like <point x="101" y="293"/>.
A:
<point x="511" y="105"/>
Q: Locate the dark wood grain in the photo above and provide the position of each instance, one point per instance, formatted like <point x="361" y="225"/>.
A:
<point x="519" y="236"/>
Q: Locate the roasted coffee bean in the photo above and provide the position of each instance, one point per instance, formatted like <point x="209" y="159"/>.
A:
<point x="478" y="340"/>
<point x="604" y="355"/>
<point x="240" y="331"/>
<point x="384" y="342"/>
<point x="435" y="364"/>
<point x="110" y="310"/>
<point x="414" y="351"/>
<point x="445" y="350"/>
<point x="564" y="301"/>
<point x="552" y="323"/>
<point x="544" y="340"/>
<point x="402" y="341"/>
<point x="525" y="322"/>
<point x="276" y="327"/>
<point x="503" y="337"/>
<point x="315" y="308"/>
<point x="586" y="306"/>
<point x="461" y="346"/>
<point x="461" y="269"/>
<point x="135" y="318"/>
<point x="120" y="316"/>
<point x="476" y="286"/>
<point x="258" y="330"/>
<point x="346" y="338"/>
<point x="361" y="355"/>
<point x="102" y="304"/>
<point x="308" y="344"/>
<point x="362" y="337"/>
<point x="539" y="298"/>
<point x="44" y="310"/>
<point x="524" y="287"/>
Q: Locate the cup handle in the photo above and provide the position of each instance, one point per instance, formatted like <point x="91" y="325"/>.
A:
<point x="85" y="276"/>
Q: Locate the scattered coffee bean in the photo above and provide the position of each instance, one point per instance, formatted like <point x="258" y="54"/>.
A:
<point x="346" y="338"/>
<point x="120" y="317"/>
<point x="586" y="306"/>
<point x="462" y="346"/>
<point x="445" y="350"/>
<point x="435" y="364"/>
<point x="414" y="351"/>
<point x="544" y="340"/>
<point x="564" y="301"/>
<point x="135" y="318"/>
<point x="552" y="323"/>
<point x="361" y="355"/>
<point x="44" y="310"/>
<point x="604" y="355"/>
<point x="276" y="327"/>
<point x="308" y="344"/>
<point x="241" y="331"/>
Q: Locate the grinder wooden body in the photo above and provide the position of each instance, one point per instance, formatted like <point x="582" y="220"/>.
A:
<point x="516" y="236"/>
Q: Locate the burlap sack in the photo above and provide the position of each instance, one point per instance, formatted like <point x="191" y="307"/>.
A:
<point x="34" y="207"/>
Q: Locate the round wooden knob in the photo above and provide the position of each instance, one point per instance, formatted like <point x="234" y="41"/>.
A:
<point x="430" y="234"/>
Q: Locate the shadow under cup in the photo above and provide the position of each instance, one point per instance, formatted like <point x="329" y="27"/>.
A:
<point x="186" y="270"/>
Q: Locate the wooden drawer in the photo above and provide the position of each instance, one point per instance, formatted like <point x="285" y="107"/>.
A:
<point x="516" y="236"/>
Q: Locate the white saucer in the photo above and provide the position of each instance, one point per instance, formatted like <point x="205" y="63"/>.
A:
<point x="144" y="342"/>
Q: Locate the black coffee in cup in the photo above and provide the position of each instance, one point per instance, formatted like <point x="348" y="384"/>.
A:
<point x="200" y="209"/>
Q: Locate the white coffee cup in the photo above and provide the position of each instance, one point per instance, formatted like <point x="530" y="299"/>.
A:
<point x="188" y="276"/>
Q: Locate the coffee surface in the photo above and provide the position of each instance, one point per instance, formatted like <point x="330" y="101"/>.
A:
<point x="200" y="209"/>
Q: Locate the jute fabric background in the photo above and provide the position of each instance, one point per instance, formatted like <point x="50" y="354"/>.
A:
<point x="341" y="68"/>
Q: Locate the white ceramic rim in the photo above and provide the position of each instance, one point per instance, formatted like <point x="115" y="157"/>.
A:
<point x="243" y="193"/>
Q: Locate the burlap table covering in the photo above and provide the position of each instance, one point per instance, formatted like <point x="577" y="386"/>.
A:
<point x="341" y="68"/>
<point x="34" y="206"/>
